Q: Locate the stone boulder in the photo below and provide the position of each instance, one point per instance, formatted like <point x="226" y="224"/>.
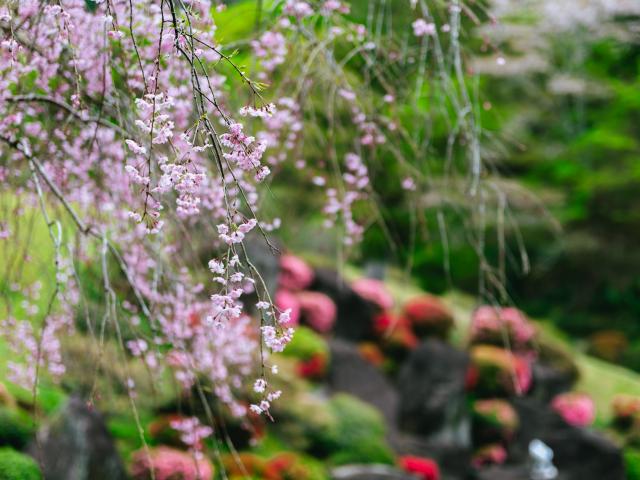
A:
<point x="453" y="457"/>
<point x="549" y="381"/>
<point x="350" y="373"/>
<point x="369" y="472"/>
<point x="354" y="319"/>
<point x="432" y="393"/>
<point x="76" y="445"/>
<point x="267" y="262"/>
<point x="579" y="453"/>
<point x="508" y="472"/>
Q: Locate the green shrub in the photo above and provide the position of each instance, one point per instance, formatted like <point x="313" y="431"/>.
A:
<point x="356" y="433"/>
<point x="305" y="344"/>
<point x="15" y="428"/>
<point x="372" y="450"/>
<point x="632" y="464"/>
<point x="17" y="466"/>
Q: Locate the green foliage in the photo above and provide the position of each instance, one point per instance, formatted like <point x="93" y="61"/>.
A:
<point x="17" y="466"/>
<point x="16" y="428"/>
<point x="305" y="344"/>
<point x="367" y="450"/>
<point x="632" y="464"/>
<point x="355" y="435"/>
<point x="576" y="151"/>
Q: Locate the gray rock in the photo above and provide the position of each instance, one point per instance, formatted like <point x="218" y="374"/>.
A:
<point x="350" y="373"/>
<point x="507" y="472"/>
<point x="579" y="453"/>
<point x="354" y="319"/>
<point x="549" y="381"/>
<point x="76" y="445"/>
<point x="369" y="472"/>
<point x="453" y="458"/>
<point x="432" y="393"/>
<point x="267" y="262"/>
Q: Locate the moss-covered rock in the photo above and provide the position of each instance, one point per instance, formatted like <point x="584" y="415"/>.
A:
<point x="365" y="451"/>
<point x="17" y="466"/>
<point x="16" y="428"/>
<point x="356" y="434"/>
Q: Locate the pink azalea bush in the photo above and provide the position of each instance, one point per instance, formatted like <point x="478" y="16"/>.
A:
<point x="163" y="463"/>
<point x="575" y="408"/>
<point x="286" y="300"/>
<point x="317" y="310"/>
<point x="295" y="274"/>
<point x="375" y="291"/>
<point x="491" y="324"/>
<point x="494" y="370"/>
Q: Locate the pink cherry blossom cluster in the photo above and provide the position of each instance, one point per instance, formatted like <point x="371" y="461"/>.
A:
<point x="192" y="432"/>
<point x="356" y="180"/>
<point x="119" y="123"/>
<point x="271" y="49"/>
<point x="145" y="146"/>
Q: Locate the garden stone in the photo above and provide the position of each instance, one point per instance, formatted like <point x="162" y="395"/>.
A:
<point x="579" y="453"/>
<point x="508" y="472"/>
<point x="354" y="319"/>
<point x="549" y="382"/>
<point x="352" y="374"/>
<point x="452" y="458"/>
<point x="77" y="446"/>
<point x="432" y="393"/>
<point x="369" y="472"/>
<point x="554" y="372"/>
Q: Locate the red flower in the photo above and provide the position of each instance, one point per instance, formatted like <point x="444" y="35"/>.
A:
<point x="424" y="468"/>
<point x="428" y="316"/>
<point x="471" y="378"/>
<point x="394" y="331"/>
<point x="386" y="322"/>
<point x="313" y="368"/>
<point x="284" y="466"/>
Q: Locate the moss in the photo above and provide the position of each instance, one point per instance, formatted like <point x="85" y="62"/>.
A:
<point x="356" y="434"/>
<point x="17" y="466"/>
<point x="370" y="450"/>
<point x="15" y="428"/>
<point x="632" y="464"/>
